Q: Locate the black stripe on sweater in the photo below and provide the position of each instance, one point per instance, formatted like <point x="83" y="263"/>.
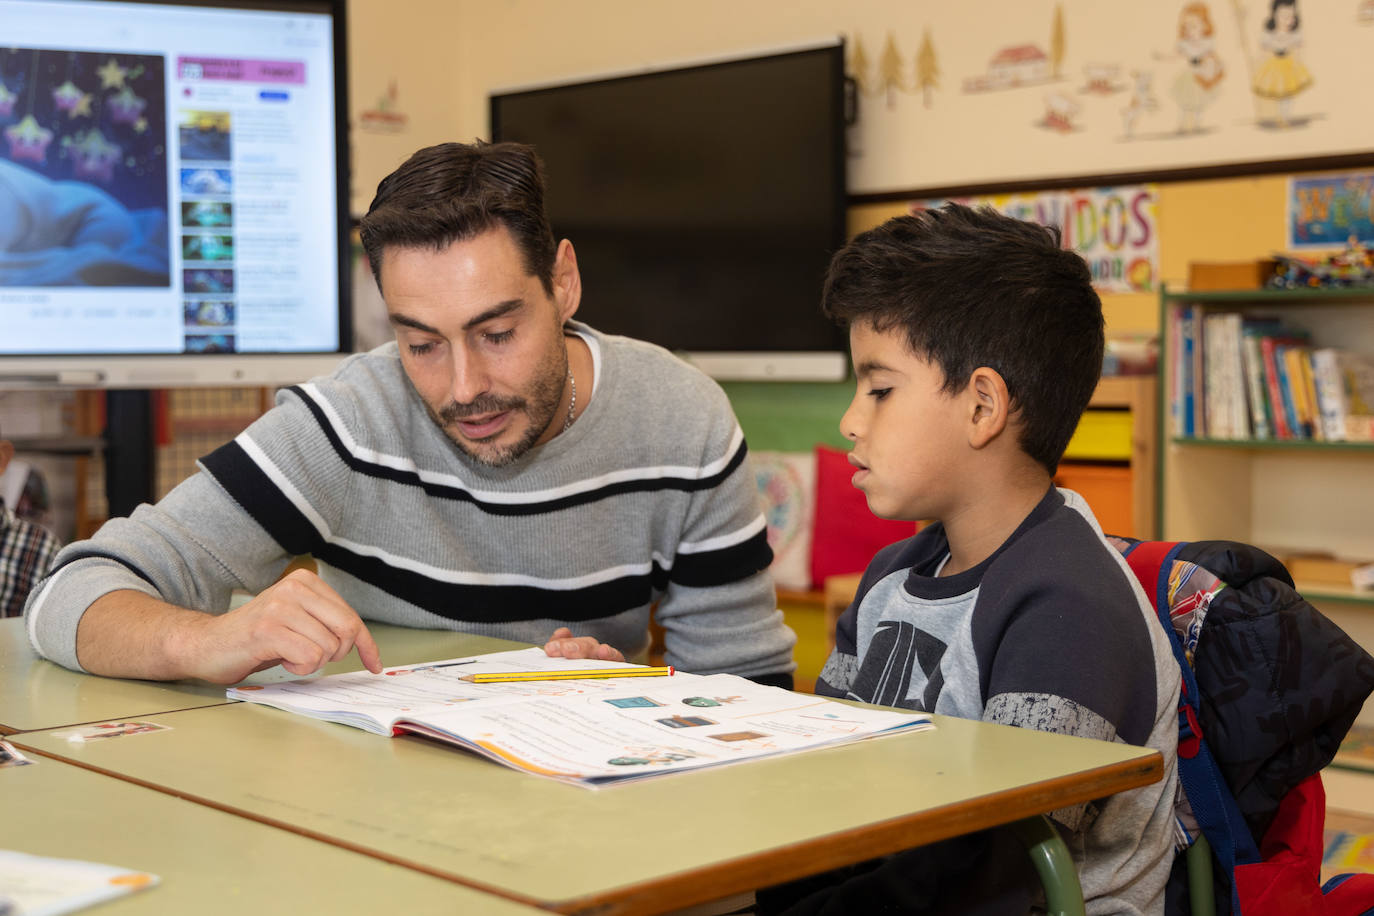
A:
<point x="444" y="491"/>
<point x="241" y="477"/>
<point x="260" y="497"/>
<point x="78" y="554"/>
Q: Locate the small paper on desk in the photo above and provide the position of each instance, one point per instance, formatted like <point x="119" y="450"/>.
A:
<point x="587" y="732"/>
<point x="40" y="886"/>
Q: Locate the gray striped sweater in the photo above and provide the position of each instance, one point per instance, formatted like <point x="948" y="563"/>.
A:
<point x="647" y="498"/>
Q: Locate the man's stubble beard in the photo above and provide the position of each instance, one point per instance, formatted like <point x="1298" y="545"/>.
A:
<point x="540" y="407"/>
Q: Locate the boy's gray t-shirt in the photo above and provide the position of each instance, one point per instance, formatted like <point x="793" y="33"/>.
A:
<point x="1051" y="632"/>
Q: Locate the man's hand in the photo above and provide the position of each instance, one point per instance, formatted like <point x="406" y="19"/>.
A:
<point x="565" y="645"/>
<point x="299" y="623"/>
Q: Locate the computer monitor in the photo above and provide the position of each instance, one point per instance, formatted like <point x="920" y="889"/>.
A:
<point x="172" y="192"/>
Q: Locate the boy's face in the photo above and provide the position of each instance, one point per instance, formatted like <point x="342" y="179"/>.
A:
<point x="908" y="434"/>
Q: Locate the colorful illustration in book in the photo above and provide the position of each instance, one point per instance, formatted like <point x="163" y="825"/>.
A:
<point x="638" y="755"/>
<point x="633" y="702"/>
<point x="1281" y="74"/>
<point x="685" y="721"/>
<point x="706" y="701"/>
<point x="1198" y="84"/>
<point x="83" y="153"/>
<point x="739" y="736"/>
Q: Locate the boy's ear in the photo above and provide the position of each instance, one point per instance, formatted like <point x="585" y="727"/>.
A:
<point x="991" y="406"/>
<point x="6" y="453"/>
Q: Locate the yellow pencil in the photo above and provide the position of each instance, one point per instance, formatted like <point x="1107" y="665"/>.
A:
<point x="569" y="675"/>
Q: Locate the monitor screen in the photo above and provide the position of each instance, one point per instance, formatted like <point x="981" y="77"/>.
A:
<point x="703" y="202"/>
<point x="172" y="180"/>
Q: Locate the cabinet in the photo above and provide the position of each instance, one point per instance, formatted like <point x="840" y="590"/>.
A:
<point x="1293" y="497"/>
<point x="1110" y="461"/>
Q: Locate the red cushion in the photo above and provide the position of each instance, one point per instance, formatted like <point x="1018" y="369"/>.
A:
<point x="846" y="535"/>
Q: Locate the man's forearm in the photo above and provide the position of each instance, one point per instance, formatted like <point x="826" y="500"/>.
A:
<point x="129" y="634"/>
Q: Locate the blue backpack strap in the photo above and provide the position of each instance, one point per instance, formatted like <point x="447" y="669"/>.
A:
<point x="1213" y="805"/>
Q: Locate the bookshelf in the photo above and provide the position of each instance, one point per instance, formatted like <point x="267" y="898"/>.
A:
<point x="1293" y="497"/>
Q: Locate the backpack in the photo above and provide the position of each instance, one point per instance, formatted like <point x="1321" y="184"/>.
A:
<point x="1269" y="689"/>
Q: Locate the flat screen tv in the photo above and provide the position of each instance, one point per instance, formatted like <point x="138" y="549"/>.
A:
<point x="704" y="203"/>
<point x="172" y="192"/>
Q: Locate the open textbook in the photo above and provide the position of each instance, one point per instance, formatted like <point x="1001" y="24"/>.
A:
<point x="587" y="732"/>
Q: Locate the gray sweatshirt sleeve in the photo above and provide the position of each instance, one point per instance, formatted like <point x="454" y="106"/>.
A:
<point x="192" y="549"/>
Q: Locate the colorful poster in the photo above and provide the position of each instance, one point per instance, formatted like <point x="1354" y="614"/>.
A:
<point x="1331" y="211"/>
<point x="1112" y="228"/>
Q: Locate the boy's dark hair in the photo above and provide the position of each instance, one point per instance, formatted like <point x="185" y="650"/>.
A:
<point x="456" y="191"/>
<point x="972" y="288"/>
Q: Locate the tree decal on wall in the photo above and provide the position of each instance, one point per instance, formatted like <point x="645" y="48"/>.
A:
<point x="1057" y="42"/>
<point x="890" y="71"/>
<point x="858" y="67"/>
<point x="927" y="68"/>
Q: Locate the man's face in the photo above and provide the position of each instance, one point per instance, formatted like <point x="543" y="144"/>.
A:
<point x="907" y="432"/>
<point x="482" y="342"/>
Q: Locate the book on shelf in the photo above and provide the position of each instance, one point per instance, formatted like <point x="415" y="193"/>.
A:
<point x="1344" y="384"/>
<point x="1225" y="412"/>
<point x="587" y="732"/>
<point x="1261" y="414"/>
<point x="1297" y="374"/>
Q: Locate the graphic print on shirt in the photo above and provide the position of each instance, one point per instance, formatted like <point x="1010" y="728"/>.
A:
<point x="898" y="653"/>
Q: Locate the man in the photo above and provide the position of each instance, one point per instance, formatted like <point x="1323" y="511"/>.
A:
<point x="26" y="549"/>
<point x="500" y="469"/>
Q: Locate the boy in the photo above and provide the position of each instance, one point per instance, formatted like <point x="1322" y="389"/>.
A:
<point x="977" y="342"/>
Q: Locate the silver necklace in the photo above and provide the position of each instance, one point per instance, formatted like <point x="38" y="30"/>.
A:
<point x="572" y="402"/>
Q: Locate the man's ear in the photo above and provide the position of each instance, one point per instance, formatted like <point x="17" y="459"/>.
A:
<point x="567" y="281"/>
<point x="990" y="406"/>
<point x="6" y="454"/>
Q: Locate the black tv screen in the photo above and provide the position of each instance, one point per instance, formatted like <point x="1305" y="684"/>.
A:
<point x="172" y="179"/>
<point x="703" y="202"/>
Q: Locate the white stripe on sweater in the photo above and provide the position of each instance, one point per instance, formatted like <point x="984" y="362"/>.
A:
<point x="397" y="462"/>
<point x="441" y="574"/>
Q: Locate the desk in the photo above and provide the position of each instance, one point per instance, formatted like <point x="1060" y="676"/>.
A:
<point x="209" y="862"/>
<point x="36" y="694"/>
<point x="639" y="848"/>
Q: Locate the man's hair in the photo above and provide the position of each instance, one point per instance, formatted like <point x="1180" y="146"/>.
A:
<point x="456" y="191"/>
<point x="970" y="288"/>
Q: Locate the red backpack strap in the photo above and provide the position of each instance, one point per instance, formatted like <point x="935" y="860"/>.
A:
<point x="1146" y="558"/>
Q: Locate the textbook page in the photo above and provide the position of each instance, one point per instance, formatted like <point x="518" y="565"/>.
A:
<point x="584" y="731"/>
